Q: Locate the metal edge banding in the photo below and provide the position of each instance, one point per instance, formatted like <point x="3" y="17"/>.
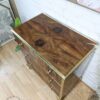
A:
<point x="48" y="63"/>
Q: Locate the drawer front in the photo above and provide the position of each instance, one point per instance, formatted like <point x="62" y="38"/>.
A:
<point x="54" y="86"/>
<point x="35" y="63"/>
<point x="38" y="62"/>
<point x="33" y="58"/>
<point x="50" y="82"/>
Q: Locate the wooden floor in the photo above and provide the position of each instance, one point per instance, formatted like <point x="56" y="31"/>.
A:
<point x="17" y="82"/>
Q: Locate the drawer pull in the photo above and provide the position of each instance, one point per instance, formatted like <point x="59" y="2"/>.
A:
<point x="49" y="71"/>
<point x="50" y="81"/>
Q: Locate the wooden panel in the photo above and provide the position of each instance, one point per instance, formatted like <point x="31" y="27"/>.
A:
<point x="59" y="45"/>
<point x="50" y="82"/>
<point x="69" y="84"/>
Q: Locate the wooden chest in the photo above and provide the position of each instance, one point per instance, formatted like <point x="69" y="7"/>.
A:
<point x="53" y="51"/>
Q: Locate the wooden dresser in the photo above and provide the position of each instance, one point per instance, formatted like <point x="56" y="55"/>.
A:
<point x="53" y="51"/>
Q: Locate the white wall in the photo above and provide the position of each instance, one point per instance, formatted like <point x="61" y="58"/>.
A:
<point x="85" y="21"/>
<point x="27" y="9"/>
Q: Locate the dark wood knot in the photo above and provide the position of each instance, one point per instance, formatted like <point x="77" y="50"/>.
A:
<point x="39" y="42"/>
<point x="57" y="29"/>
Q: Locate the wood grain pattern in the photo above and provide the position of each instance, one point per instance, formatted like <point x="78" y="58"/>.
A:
<point x="59" y="45"/>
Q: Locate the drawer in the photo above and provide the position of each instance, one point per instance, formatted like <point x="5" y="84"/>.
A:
<point x="40" y="64"/>
<point x="33" y="58"/>
<point x="50" y="82"/>
<point x="54" y="86"/>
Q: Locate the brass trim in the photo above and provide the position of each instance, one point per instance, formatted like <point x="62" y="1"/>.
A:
<point x="48" y="63"/>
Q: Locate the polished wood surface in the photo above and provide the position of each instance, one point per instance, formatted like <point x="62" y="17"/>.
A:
<point x="17" y="80"/>
<point x="59" y="45"/>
